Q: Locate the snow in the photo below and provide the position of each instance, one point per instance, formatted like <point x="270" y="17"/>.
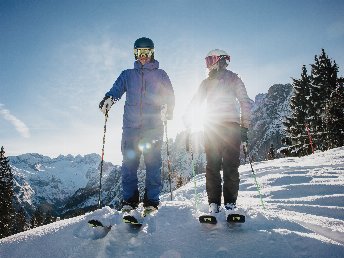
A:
<point x="303" y="217"/>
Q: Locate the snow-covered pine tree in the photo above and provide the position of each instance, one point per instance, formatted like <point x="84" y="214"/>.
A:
<point x="327" y="98"/>
<point x="6" y="196"/>
<point x="336" y="114"/>
<point x="21" y="223"/>
<point x="37" y="219"/>
<point x="48" y="218"/>
<point x="295" y="124"/>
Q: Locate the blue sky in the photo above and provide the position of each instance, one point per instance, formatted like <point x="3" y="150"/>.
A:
<point x="58" y="58"/>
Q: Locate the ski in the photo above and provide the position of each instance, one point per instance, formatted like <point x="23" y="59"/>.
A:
<point x="99" y="230"/>
<point x="128" y="219"/>
<point x="207" y="219"/>
<point x="231" y="218"/>
<point x="235" y="218"/>
<point x="96" y="223"/>
<point x="131" y="220"/>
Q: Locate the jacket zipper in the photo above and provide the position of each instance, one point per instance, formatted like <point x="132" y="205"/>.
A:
<point x="141" y="91"/>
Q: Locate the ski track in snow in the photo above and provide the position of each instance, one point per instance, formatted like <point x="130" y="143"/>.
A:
<point x="303" y="217"/>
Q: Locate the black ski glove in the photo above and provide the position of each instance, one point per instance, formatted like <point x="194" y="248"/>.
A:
<point x="106" y="104"/>
<point x="244" y="132"/>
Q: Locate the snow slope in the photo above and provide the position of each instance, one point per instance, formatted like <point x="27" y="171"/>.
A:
<point x="303" y="217"/>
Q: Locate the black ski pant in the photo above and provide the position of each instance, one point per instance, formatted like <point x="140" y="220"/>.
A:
<point x="222" y="148"/>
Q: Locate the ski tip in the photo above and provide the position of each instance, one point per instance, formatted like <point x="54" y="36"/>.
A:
<point x="95" y="223"/>
<point x="236" y="218"/>
<point x="131" y="221"/>
<point x="207" y="219"/>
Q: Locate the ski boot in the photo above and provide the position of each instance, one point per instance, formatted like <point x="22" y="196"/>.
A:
<point x="232" y="214"/>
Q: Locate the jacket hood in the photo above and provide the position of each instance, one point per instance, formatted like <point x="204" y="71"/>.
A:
<point x="150" y="66"/>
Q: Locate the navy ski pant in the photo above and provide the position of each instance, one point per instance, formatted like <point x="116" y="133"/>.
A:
<point x="222" y="147"/>
<point x="137" y="141"/>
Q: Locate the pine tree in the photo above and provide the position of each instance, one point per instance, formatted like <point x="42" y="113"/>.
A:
<point x="327" y="97"/>
<point x="301" y="109"/>
<point x="6" y="196"/>
<point x="37" y="218"/>
<point x="48" y="218"/>
<point x="318" y="104"/>
<point x="21" y="223"/>
<point x="336" y="115"/>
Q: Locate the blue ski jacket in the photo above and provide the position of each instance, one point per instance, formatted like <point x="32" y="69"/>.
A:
<point x="147" y="88"/>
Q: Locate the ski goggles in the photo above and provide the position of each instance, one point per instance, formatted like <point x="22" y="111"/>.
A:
<point x="211" y="60"/>
<point x="143" y="52"/>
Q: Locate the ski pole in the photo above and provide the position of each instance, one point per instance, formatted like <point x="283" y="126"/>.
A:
<point x="101" y="163"/>
<point x="168" y="160"/>
<point x="245" y="151"/>
<point x="164" y="120"/>
<point x="254" y="175"/>
<point x="189" y="149"/>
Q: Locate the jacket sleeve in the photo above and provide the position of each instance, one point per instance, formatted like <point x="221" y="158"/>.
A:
<point x="118" y="88"/>
<point x="168" y="95"/>
<point x="245" y="103"/>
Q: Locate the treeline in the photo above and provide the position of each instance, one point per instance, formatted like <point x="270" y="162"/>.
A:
<point x="317" y="118"/>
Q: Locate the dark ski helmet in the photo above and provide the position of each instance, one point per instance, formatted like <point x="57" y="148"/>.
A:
<point x="143" y="43"/>
<point x="145" y="46"/>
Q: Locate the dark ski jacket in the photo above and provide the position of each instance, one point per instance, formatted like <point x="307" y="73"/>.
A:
<point x="227" y="99"/>
<point x="147" y="88"/>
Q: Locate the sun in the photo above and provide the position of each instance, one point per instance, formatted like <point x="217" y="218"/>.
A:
<point x="198" y="119"/>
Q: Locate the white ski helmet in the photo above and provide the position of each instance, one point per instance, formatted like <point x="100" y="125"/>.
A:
<point x="214" y="56"/>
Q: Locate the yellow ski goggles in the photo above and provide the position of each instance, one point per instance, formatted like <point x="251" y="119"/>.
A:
<point x="143" y="52"/>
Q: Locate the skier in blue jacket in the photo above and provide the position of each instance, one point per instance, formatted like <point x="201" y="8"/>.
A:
<point x="147" y="89"/>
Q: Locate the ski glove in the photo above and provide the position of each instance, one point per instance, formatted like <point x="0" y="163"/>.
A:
<point x="106" y="104"/>
<point x="244" y="137"/>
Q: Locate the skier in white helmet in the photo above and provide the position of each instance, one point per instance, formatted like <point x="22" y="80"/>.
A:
<point x="225" y="128"/>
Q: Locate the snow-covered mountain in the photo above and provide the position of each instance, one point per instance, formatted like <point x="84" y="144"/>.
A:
<point x="68" y="185"/>
<point x="268" y="115"/>
<point x="55" y="182"/>
<point x="303" y="217"/>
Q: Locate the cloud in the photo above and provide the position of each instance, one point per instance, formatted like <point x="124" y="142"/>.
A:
<point x="19" y="125"/>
